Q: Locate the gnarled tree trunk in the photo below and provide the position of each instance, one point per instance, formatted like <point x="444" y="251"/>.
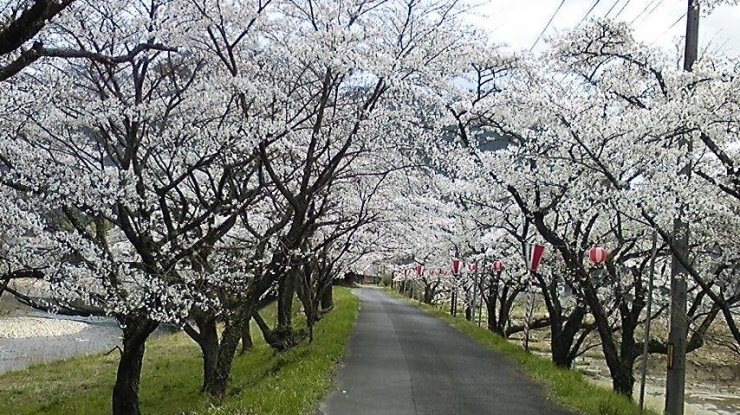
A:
<point x="283" y="334"/>
<point x="222" y="372"/>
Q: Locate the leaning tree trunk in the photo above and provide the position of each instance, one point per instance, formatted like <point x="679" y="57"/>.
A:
<point x="229" y="341"/>
<point x="136" y="330"/>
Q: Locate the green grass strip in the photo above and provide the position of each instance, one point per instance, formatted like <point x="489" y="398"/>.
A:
<point x="263" y="382"/>
<point x="568" y="387"/>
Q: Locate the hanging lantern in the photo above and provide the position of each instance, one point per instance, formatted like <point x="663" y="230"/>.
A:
<point x="597" y="255"/>
<point x="533" y="255"/>
<point x="419" y="270"/>
<point x="472" y="267"/>
<point x="456" y="266"/>
<point x="432" y="271"/>
<point x="497" y="266"/>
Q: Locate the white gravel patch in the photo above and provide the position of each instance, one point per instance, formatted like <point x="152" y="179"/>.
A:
<point x="41" y="338"/>
<point x="26" y="327"/>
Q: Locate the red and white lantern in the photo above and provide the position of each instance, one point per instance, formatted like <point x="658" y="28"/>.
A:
<point x="533" y="255"/>
<point x="597" y="255"/>
<point x="456" y="266"/>
<point x="472" y="266"/>
<point x="419" y="270"/>
<point x="497" y="266"/>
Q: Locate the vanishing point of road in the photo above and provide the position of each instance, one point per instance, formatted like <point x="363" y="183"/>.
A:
<point x="402" y="361"/>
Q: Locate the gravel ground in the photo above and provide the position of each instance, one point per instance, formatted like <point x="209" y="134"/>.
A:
<point x="37" y="337"/>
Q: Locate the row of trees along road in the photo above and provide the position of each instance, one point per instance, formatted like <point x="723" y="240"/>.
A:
<point x="187" y="162"/>
<point x="575" y="146"/>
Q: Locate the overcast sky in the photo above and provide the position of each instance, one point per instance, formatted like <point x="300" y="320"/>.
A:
<point x="518" y="23"/>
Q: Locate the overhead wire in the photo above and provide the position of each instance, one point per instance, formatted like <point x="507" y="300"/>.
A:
<point x="593" y="6"/>
<point x="622" y="9"/>
<point x="680" y="18"/>
<point x="549" y="22"/>
<point x="649" y="12"/>
<point x="612" y="8"/>
<point x="652" y="10"/>
<point x="643" y="11"/>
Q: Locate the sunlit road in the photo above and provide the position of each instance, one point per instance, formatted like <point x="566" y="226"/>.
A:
<point x="403" y="361"/>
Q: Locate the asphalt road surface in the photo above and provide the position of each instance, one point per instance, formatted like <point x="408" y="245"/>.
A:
<point x="403" y="361"/>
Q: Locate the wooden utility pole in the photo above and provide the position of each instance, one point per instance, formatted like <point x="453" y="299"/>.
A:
<point x="676" y="361"/>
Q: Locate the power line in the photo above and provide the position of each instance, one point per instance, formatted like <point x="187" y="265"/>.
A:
<point x="622" y="9"/>
<point x="547" y="25"/>
<point x="680" y="18"/>
<point x="612" y="8"/>
<point x="651" y="11"/>
<point x="643" y="11"/>
<point x="593" y="6"/>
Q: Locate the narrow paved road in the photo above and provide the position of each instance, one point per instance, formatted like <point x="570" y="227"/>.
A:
<point x="402" y="361"/>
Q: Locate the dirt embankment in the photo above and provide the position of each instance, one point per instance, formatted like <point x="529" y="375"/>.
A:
<point x="712" y="377"/>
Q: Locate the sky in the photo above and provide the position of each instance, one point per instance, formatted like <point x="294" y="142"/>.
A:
<point x="662" y="23"/>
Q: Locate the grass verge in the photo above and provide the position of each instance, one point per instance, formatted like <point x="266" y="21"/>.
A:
<point x="263" y="382"/>
<point x="569" y="387"/>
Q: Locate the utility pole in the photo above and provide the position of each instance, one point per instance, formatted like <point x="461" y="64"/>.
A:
<point x="676" y="359"/>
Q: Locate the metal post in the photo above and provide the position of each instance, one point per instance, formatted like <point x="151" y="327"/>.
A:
<point x="529" y="311"/>
<point x="647" y="321"/>
<point x="480" y="299"/>
<point x="453" y="303"/>
<point x="452" y="295"/>
<point x="475" y="293"/>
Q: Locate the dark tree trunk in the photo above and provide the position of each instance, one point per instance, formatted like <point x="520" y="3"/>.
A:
<point x="209" y="346"/>
<point x="560" y="352"/>
<point x="623" y="379"/>
<point x="620" y="357"/>
<point x="327" y="298"/>
<point x="564" y="324"/>
<point x="126" y="389"/>
<point x="283" y="333"/>
<point x="491" y="299"/>
<point x="311" y="318"/>
<point x="567" y="339"/>
<point x="429" y="293"/>
<point x="499" y="299"/>
<point x="276" y="342"/>
<point x="229" y="342"/>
